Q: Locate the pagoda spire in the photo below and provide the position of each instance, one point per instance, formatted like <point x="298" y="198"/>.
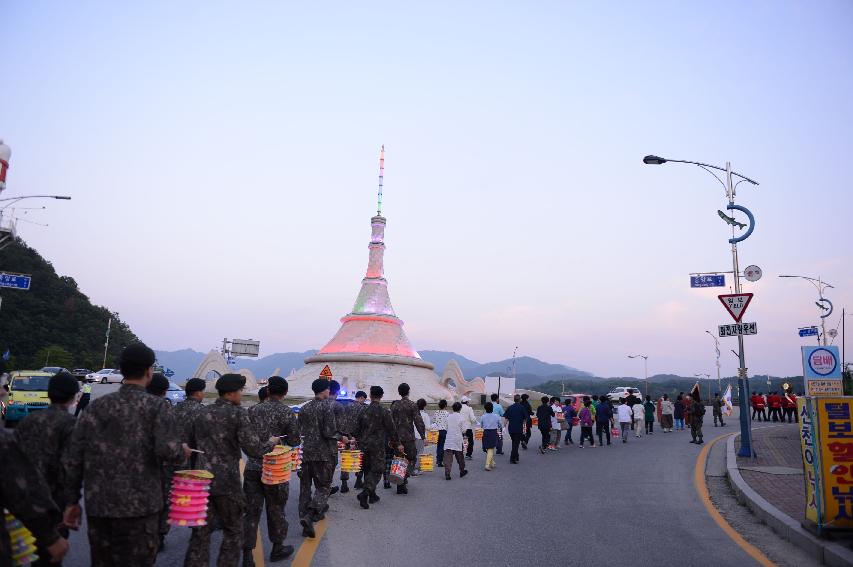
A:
<point x="381" y="179"/>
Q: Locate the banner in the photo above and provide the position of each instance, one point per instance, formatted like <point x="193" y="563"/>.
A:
<point x="727" y="401"/>
<point x="835" y="434"/>
<point x="810" y="458"/>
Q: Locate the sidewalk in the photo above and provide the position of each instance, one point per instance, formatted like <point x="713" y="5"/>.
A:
<point x="777" y="473"/>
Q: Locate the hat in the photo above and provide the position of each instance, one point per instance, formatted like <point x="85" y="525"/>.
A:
<point x="263" y="393"/>
<point x="360" y="394"/>
<point x="137" y="355"/>
<point x="319" y="385"/>
<point x="376" y="392"/>
<point x="62" y="386"/>
<point x="230" y="383"/>
<point x="465" y="399"/>
<point x="334" y="387"/>
<point x="158" y="385"/>
<point x="195" y="385"/>
<point x="277" y="386"/>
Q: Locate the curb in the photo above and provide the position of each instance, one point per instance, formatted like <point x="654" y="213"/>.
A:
<point x="827" y="552"/>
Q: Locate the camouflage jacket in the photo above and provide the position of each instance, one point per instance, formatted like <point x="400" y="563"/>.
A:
<point x="319" y="431"/>
<point x="273" y="418"/>
<point x="24" y="493"/>
<point x="351" y="414"/>
<point x="222" y="430"/>
<point x="406" y="417"/>
<point x="185" y="414"/>
<point x="373" y="427"/>
<point x="43" y="437"/>
<point x="116" y="452"/>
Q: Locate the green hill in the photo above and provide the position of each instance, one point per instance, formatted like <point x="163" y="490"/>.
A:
<point x="53" y="323"/>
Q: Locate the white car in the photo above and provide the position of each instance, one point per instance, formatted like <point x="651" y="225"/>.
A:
<point x="106" y="376"/>
<point x="623" y="392"/>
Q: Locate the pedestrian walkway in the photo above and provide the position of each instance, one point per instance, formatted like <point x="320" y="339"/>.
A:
<point x="777" y="473"/>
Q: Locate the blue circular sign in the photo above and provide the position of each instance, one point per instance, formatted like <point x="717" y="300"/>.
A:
<point x="822" y="362"/>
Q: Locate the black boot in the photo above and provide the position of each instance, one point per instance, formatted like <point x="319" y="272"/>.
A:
<point x="362" y="499"/>
<point x="334" y="490"/>
<point x="307" y="527"/>
<point x="344" y="487"/>
<point x="280" y="552"/>
<point x="358" y="481"/>
<point x="373" y="498"/>
<point x="248" y="559"/>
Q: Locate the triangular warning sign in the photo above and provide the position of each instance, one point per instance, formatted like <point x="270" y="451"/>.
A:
<point x="326" y="373"/>
<point x="736" y="304"/>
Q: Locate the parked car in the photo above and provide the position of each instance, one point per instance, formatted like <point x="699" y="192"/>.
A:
<point x="27" y="393"/>
<point x="53" y="369"/>
<point x="80" y="373"/>
<point x="106" y="376"/>
<point x="175" y="393"/>
<point x="617" y="394"/>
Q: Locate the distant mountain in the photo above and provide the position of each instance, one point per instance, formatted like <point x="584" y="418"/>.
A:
<point x="524" y="366"/>
<point x="184" y="362"/>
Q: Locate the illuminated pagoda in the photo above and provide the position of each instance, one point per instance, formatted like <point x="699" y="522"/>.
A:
<point x="371" y="348"/>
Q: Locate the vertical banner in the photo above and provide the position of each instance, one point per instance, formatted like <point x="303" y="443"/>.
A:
<point x="810" y="458"/>
<point x="835" y="433"/>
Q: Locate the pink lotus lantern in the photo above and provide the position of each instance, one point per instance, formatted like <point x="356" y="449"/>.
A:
<point x="188" y="499"/>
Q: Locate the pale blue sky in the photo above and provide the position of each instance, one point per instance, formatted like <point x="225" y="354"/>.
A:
<point x="222" y="158"/>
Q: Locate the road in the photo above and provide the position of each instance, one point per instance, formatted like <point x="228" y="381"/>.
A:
<point x="633" y="504"/>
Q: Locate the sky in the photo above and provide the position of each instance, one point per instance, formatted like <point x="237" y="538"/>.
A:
<point x="222" y="163"/>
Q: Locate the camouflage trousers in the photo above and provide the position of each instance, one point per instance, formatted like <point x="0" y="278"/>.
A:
<point x="319" y="475"/>
<point x="373" y="468"/>
<point x="696" y="429"/>
<point x="410" y="451"/>
<point x="257" y="494"/>
<point x="229" y="512"/>
<point x="166" y="474"/>
<point x="121" y="542"/>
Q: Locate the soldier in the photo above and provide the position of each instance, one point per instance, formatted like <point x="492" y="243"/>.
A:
<point x="158" y="387"/>
<point x="319" y="453"/>
<point x="372" y="427"/>
<point x="44" y="436"/>
<point x="350" y="419"/>
<point x="717" y="406"/>
<point x="340" y="419"/>
<point x="186" y="412"/>
<point x="406" y="419"/>
<point x="115" y="453"/>
<point x="222" y="430"/>
<point x="697" y="413"/>
<point x="27" y="497"/>
<point x="271" y="417"/>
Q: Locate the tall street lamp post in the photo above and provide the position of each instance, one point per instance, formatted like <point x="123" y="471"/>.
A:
<point x="645" y="368"/>
<point x="731" y="190"/>
<point x="717" y="346"/>
<point x="822" y="303"/>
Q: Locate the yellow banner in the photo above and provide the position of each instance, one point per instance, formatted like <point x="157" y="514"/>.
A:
<point x="810" y="457"/>
<point x="835" y="428"/>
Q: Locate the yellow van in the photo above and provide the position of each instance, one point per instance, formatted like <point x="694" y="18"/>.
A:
<point x="27" y="393"/>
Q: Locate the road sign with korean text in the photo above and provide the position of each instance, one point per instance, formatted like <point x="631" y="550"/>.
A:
<point x="736" y="304"/>
<point x="738" y="329"/>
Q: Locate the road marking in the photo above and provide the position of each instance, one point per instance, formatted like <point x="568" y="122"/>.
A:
<point x="704" y="495"/>
<point x="305" y="554"/>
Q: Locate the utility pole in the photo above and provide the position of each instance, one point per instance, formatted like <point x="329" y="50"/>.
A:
<point x="717" y="347"/>
<point x="107" y="343"/>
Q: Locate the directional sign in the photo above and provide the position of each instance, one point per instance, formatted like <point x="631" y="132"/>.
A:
<point x="168" y="373"/>
<point x="736" y="304"/>
<point x="326" y="373"/>
<point x="808" y="332"/>
<point x="15" y="281"/>
<point x="708" y="281"/>
<point x="738" y="329"/>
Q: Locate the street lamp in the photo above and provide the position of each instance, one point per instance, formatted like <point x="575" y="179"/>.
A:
<point x="731" y="190"/>
<point x="645" y="368"/>
<point x="717" y="346"/>
<point x="5" y="154"/>
<point x="820" y="285"/>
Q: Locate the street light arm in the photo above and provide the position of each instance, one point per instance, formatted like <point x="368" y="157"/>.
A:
<point x="700" y="164"/>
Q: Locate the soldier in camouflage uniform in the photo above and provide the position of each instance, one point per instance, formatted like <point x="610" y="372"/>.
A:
<point x="27" y="497"/>
<point x="373" y="429"/>
<point x="158" y="387"/>
<point x="186" y="412"/>
<point x="223" y="432"/>
<point x="340" y="419"/>
<point x="116" y="450"/>
<point x="697" y="416"/>
<point x="272" y="417"/>
<point x="350" y="419"/>
<point x="407" y="418"/>
<point x="44" y="436"/>
<point x="319" y="452"/>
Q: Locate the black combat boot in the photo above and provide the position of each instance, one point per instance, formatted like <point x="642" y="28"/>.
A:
<point x="358" y="481"/>
<point x="248" y="558"/>
<point x="344" y="487"/>
<point x="280" y="552"/>
<point x="373" y="498"/>
<point x="334" y="490"/>
<point x="362" y="499"/>
<point x="307" y="527"/>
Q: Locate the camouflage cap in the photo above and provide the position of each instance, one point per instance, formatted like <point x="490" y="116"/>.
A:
<point x="230" y="382"/>
<point x="159" y="384"/>
<point x="195" y="385"/>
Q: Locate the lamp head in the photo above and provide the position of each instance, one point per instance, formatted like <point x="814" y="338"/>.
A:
<point x="653" y="160"/>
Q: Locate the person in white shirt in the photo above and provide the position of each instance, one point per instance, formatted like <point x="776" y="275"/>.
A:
<point x="439" y="423"/>
<point x="666" y="411"/>
<point x="639" y="418"/>
<point x="419" y="442"/>
<point x="453" y="442"/>
<point x="556" y="419"/>
<point x="470" y="419"/>
<point x="626" y="417"/>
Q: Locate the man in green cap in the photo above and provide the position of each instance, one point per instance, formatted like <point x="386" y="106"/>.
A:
<point x="374" y="428"/>
<point x="187" y="410"/>
<point x="158" y="387"/>
<point x="223" y="431"/>
<point x="115" y="453"/>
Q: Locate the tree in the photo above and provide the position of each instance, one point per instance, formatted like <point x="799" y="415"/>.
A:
<point x="54" y="356"/>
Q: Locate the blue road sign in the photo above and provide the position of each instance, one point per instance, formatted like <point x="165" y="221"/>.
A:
<point x="708" y="281"/>
<point x="168" y="373"/>
<point x="15" y="281"/>
<point x="808" y="332"/>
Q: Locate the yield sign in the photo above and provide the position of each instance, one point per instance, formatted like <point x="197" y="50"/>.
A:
<point x="735" y="304"/>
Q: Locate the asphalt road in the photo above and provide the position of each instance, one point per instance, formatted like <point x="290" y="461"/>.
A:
<point x="627" y="504"/>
